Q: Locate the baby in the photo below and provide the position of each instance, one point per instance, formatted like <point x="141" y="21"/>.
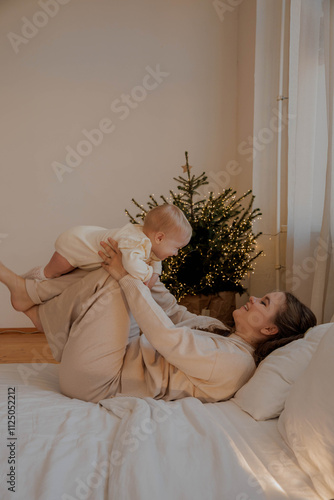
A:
<point x="165" y="230"/>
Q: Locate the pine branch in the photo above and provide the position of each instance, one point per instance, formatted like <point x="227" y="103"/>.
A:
<point x="132" y="219"/>
<point x="221" y="251"/>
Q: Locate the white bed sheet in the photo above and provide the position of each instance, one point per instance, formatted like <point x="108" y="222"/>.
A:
<point x="138" y="449"/>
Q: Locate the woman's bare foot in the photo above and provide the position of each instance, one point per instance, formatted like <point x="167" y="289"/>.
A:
<point x="16" y="285"/>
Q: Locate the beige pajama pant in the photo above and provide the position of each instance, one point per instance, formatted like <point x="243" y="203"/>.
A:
<point x="86" y="322"/>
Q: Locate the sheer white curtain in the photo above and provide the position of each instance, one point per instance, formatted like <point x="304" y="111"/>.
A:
<point x="310" y="256"/>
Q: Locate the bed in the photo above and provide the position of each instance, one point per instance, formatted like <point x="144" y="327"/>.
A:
<point x="273" y="440"/>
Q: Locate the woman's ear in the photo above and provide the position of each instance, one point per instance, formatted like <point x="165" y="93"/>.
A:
<point x="269" y="330"/>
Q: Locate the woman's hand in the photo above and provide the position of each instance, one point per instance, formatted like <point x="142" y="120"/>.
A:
<point x="112" y="259"/>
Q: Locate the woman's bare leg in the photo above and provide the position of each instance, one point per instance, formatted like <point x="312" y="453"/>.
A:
<point x="16" y="285"/>
<point x="33" y="315"/>
<point x="57" y="266"/>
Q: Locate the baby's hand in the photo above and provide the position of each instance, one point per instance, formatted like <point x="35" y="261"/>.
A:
<point x="152" y="281"/>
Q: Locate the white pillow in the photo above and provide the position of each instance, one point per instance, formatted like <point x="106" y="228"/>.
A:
<point x="307" y="422"/>
<point x="264" y="395"/>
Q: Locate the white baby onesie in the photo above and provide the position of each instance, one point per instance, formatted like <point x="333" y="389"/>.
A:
<point x="80" y="244"/>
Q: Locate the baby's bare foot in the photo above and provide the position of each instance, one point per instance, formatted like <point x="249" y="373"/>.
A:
<point x="16" y="285"/>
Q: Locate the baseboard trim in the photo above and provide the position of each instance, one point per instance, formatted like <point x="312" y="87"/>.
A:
<point x="18" y="329"/>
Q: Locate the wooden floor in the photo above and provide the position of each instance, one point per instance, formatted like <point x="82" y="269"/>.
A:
<point x="24" y="347"/>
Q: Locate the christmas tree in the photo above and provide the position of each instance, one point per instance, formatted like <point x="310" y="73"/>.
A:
<point x="222" y="248"/>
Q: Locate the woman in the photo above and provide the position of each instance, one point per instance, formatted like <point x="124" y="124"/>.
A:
<point x="86" y="318"/>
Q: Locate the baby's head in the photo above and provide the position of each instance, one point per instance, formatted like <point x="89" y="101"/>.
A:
<point x="168" y="229"/>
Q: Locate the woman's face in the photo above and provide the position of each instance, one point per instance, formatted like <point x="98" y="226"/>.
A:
<point x="258" y="314"/>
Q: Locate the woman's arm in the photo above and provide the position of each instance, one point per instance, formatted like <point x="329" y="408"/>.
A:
<point x="193" y="353"/>
<point x="180" y="314"/>
<point x="190" y="351"/>
<point x="177" y="313"/>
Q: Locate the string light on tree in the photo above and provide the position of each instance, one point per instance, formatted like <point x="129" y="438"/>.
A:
<point x="222" y="249"/>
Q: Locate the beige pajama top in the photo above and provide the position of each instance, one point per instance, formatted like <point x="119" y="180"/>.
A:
<point x="173" y="361"/>
<point x="80" y="244"/>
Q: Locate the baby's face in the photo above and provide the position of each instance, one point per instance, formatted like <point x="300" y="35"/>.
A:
<point x="164" y="245"/>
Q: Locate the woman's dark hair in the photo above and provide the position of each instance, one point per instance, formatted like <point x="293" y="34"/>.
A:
<point x="292" y="321"/>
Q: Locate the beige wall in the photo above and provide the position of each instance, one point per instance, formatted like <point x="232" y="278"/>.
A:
<point x="62" y="78"/>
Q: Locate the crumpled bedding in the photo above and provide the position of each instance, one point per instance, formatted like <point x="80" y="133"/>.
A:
<point x="126" y="448"/>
